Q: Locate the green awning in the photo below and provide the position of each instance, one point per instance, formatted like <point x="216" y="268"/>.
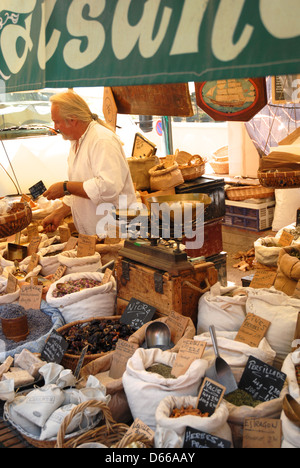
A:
<point x="73" y="43"/>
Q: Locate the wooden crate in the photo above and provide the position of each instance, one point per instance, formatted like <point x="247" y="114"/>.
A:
<point x="161" y="290"/>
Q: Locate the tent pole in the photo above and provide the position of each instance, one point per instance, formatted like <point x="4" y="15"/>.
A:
<point x="167" y="135"/>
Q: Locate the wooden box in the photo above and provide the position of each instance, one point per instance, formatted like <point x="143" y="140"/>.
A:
<point x="162" y="290"/>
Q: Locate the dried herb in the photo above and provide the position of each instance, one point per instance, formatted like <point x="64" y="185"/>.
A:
<point x="241" y="398"/>
<point x="161" y="369"/>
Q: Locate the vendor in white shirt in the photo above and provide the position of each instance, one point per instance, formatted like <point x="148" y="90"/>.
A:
<point x="97" y="167"/>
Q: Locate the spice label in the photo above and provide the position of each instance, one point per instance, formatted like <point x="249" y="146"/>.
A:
<point x="177" y="324"/>
<point x="188" y="352"/>
<point x="12" y="284"/>
<point x="71" y="244"/>
<point x="210" y="396"/>
<point x="139" y="428"/>
<point x="122" y="353"/>
<point x="31" y="297"/>
<point x="107" y="276"/>
<point x="263" y="279"/>
<point x="34" y="245"/>
<point x="86" y="245"/>
<point x="286" y="239"/>
<point x="59" y="273"/>
<point x="262" y="433"/>
<point x="261" y="381"/>
<point x="64" y="234"/>
<point x="32" y="231"/>
<point x="137" y="313"/>
<point x="33" y="262"/>
<point x="55" y="348"/>
<point x="252" y="330"/>
<point x="195" y="439"/>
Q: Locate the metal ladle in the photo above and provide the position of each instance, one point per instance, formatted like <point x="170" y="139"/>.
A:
<point x="158" y="335"/>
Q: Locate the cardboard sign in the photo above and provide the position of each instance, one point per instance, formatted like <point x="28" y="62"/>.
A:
<point x="177" y="324"/>
<point x="263" y="279"/>
<point x="71" y="244"/>
<point x="253" y="330"/>
<point x="188" y="352"/>
<point x="64" y="234"/>
<point x="210" y="396"/>
<point x="137" y="313"/>
<point x="262" y="433"/>
<point x="34" y="245"/>
<point x="107" y="276"/>
<point x="139" y="428"/>
<point x="110" y="110"/>
<point x="31" y="296"/>
<point x="12" y="284"/>
<point x="86" y="245"/>
<point x="286" y="239"/>
<point x="123" y="352"/>
<point x="34" y="261"/>
<point x="195" y="439"/>
<point x="32" y="231"/>
<point x="59" y="273"/>
<point x="55" y="348"/>
<point x="261" y="381"/>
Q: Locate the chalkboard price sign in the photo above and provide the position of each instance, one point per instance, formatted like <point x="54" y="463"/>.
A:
<point x="55" y="348"/>
<point x="210" y="396"/>
<point x="197" y="439"/>
<point x="37" y="190"/>
<point x="261" y="381"/>
<point x="137" y="313"/>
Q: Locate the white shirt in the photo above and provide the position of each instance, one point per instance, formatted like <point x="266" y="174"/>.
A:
<point x="100" y="163"/>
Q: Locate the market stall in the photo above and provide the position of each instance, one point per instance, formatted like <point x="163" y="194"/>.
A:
<point x="150" y="348"/>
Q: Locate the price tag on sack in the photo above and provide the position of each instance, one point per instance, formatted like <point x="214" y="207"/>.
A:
<point x="188" y="352"/>
<point x="210" y="396"/>
<point x="86" y="245"/>
<point x="252" y="330"/>
<point x="286" y="239"/>
<point x="262" y="433"/>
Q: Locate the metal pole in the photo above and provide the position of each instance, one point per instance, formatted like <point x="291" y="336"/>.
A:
<point x="167" y="135"/>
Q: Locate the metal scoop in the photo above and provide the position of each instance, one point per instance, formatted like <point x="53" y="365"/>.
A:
<point x="158" y="335"/>
<point x="220" y="371"/>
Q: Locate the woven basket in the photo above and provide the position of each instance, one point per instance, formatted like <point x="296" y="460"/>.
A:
<point x="70" y="361"/>
<point x="248" y="191"/>
<point x="194" y="168"/>
<point x="220" y="167"/>
<point x="110" y="434"/>
<point x="279" y="180"/>
<point x="15" y="222"/>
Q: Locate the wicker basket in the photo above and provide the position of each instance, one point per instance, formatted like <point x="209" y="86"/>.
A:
<point x="194" y="168"/>
<point x="220" y="167"/>
<point x="219" y="162"/>
<point x="15" y="222"/>
<point x="248" y="191"/>
<point x="110" y="434"/>
<point x="70" y="361"/>
<point x="279" y="180"/>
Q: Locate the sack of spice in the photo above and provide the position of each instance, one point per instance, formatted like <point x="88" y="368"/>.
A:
<point x="139" y="336"/>
<point x="235" y="353"/>
<point x="49" y="258"/>
<point x="242" y="406"/>
<point x="170" y="431"/>
<point x="267" y="251"/>
<point x="91" y="299"/>
<point x="145" y="386"/>
<point x="282" y="311"/>
<point x="291" y="367"/>
<point x="100" y="368"/>
<point x="288" y="270"/>
<point x="76" y="264"/>
<point x="10" y="297"/>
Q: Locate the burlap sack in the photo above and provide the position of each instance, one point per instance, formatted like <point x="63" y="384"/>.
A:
<point x="165" y="178"/>
<point x="288" y="271"/>
<point x="139" y="170"/>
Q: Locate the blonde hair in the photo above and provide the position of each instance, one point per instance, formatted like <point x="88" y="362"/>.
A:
<point x="72" y="105"/>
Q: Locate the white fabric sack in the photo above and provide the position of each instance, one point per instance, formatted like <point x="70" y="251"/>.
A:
<point x="282" y="311"/>
<point x="9" y="267"/>
<point x="224" y="312"/>
<point x="291" y="361"/>
<point x="7" y="298"/>
<point x="76" y="264"/>
<point x="287" y="203"/>
<point x="170" y="431"/>
<point x="267" y="255"/>
<point x="50" y="264"/>
<point x="7" y="390"/>
<point x="290" y="432"/>
<point x="87" y="303"/>
<point x="144" y="390"/>
<point x="237" y="415"/>
<point x="235" y="353"/>
<point x="22" y="423"/>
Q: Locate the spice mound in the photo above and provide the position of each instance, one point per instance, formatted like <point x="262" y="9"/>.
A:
<point x="161" y="369"/>
<point x="100" y="335"/>
<point x="11" y="311"/>
<point x="241" y="398"/>
<point x="188" y="411"/>
<point x="73" y="286"/>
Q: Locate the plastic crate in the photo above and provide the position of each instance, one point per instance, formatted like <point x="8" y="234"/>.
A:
<point x="250" y="216"/>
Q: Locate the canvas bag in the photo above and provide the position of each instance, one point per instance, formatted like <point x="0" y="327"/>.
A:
<point x="145" y="390"/>
<point x="139" y="170"/>
<point x="50" y="264"/>
<point x="227" y="313"/>
<point x="166" y="178"/>
<point x="235" y="353"/>
<point x="267" y="255"/>
<point x="291" y="433"/>
<point x="170" y="431"/>
<point x="282" y="311"/>
<point x="288" y="271"/>
<point x="87" y="303"/>
<point x="7" y="298"/>
<point x="76" y="264"/>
